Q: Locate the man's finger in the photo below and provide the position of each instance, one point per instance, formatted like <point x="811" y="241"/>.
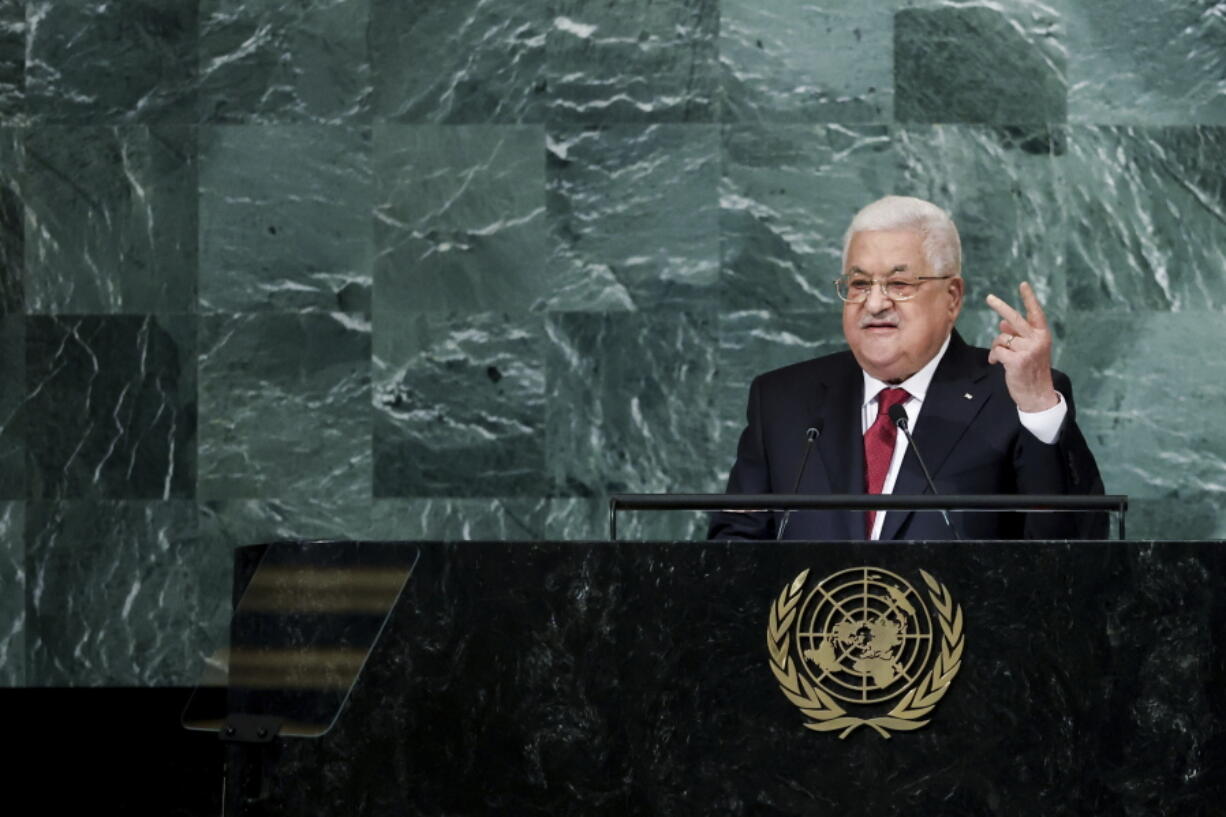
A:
<point x="1034" y="310"/>
<point x="999" y="353"/>
<point x="1002" y="345"/>
<point x="1010" y="314"/>
<point x="1007" y="328"/>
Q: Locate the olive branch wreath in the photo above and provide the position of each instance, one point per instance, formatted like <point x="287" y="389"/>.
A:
<point x="820" y="707"/>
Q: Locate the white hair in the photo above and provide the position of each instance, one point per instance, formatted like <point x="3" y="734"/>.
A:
<point x="942" y="247"/>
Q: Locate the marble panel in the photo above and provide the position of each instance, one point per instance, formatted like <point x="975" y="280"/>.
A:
<point x="271" y="61"/>
<point x="285" y="218"/>
<point x="1003" y="187"/>
<point x="460" y="219"/>
<point x="787" y="195"/>
<point x="1147" y="218"/>
<point x="752" y="342"/>
<point x="459" y="406"/>
<point x="630" y="405"/>
<point x="120" y="593"/>
<point x="633" y="61"/>
<point x="1174" y="596"/>
<point x="1143" y="381"/>
<point x="109" y="63"/>
<point x="12" y="220"/>
<point x="442" y="519"/>
<point x="1146" y="63"/>
<point x="12" y="63"/>
<point x="285" y="407"/>
<point x="12" y="595"/>
<point x="577" y="519"/>
<point x="111" y="410"/>
<point x="633" y="216"/>
<point x="587" y="519"/>
<point x="1189" y="514"/>
<point x="464" y="61"/>
<point x="110" y="222"/>
<point x="13" y="414"/>
<point x="227" y="524"/>
<point x="800" y="61"/>
<point x="994" y="64"/>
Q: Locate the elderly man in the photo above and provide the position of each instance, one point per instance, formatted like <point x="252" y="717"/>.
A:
<point x="985" y="421"/>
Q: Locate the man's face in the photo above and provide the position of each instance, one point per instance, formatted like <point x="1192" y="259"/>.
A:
<point x="893" y="340"/>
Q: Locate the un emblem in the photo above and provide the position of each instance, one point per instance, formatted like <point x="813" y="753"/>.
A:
<point x="863" y="637"/>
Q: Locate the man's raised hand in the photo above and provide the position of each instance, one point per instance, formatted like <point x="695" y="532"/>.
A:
<point x="1023" y="347"/>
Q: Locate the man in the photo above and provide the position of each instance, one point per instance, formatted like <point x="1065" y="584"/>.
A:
<point x="996" y="421"/>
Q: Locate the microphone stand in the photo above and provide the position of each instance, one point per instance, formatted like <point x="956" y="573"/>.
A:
<point x="899" y="415"/>
<point x="810" y="436"/>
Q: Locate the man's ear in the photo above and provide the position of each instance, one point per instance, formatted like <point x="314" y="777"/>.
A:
<point x="956" y="289"/>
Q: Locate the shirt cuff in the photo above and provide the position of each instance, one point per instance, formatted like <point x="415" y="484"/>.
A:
<point x="1045" y="424"/>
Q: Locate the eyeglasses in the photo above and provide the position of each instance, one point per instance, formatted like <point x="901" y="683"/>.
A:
<point x="855" y="290"/>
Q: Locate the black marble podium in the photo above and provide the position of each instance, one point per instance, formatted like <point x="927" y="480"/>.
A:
<point x="634" y="679"/>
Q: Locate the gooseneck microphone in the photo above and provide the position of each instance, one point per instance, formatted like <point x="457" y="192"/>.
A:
<point x="898" y="415"/>
<point x="811" y="435"/>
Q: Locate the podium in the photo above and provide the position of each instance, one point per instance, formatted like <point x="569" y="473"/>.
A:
<point x="602" y="678"/>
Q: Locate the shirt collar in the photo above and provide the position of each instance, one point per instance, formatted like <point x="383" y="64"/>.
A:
<point x="916" y="385"/>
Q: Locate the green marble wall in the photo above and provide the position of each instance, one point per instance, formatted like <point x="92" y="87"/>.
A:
<point x="460" y="269"/>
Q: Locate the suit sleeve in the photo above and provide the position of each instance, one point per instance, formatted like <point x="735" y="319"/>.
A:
<point x="750" y="475"/>
<point x="1065" y="467"/>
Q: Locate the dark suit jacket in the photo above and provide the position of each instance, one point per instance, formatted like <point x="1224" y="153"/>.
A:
<point x="972" y="445"/>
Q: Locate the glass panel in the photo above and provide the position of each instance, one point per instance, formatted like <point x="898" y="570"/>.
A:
<point x="306" y="622"/>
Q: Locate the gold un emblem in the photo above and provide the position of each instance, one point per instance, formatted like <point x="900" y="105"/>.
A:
<point x="858" y="639"/>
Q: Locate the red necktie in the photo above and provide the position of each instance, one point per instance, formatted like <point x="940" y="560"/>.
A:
<point x="879" y="447"/>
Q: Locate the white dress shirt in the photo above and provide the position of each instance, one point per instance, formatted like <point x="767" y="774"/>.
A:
<point x="1045" y="425"/>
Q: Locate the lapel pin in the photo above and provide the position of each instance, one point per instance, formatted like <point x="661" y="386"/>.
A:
<point x="968" y="396"/>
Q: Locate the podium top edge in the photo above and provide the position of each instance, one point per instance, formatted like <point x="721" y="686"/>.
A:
<point x="950" y="502"/>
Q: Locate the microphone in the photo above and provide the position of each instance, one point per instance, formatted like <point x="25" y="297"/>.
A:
<point x="898" y="415"/>
<point x="811" y="435"/>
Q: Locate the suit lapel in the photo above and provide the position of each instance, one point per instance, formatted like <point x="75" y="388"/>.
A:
<point x="944" y="418"/>
<point x="841" y="446"/>
<point x="841" y="441"/>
